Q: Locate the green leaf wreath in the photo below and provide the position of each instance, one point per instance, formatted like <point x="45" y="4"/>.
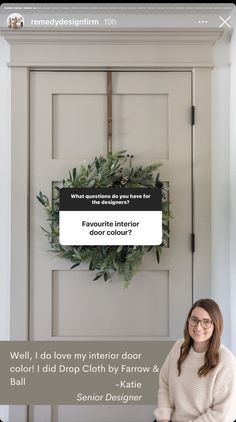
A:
<point x="114" y="171"/>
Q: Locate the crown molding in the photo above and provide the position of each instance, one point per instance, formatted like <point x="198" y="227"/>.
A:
<point x="113" y="36"/>
<point x="151" y="48"/>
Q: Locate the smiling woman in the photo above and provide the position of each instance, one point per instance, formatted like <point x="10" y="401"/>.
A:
<point x="198" y="379"/>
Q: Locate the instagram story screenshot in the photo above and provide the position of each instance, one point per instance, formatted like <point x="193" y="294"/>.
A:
<point x="118" y="212"/>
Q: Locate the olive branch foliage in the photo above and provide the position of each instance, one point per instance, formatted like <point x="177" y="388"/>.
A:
<point x="114" y="171"/>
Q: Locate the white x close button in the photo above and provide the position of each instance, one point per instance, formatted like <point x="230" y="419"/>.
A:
<point x="225" y="22"/>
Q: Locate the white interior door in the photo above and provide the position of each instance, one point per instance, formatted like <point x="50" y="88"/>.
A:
<point x="151" y="119"/>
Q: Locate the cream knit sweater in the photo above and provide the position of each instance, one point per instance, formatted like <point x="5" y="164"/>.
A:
<point x="189" y="397"/>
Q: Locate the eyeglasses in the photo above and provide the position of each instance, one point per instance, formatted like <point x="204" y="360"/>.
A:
<point x="205" y="323"/>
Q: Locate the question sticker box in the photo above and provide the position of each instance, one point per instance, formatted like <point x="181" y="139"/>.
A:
<point x="110" y="216"/>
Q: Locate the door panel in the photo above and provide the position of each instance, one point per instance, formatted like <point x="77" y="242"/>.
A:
<point x="151" y="119"/>
<point x="115" y="316"/>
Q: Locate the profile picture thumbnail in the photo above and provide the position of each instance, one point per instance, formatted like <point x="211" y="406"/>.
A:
<point x="15" y="21"/>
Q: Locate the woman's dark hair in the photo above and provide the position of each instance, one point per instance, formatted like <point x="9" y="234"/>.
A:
<point x="212" y="353"/>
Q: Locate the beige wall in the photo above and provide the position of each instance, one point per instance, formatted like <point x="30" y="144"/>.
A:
<point x="224" y="181"/>
<point x="220" y="180"/>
